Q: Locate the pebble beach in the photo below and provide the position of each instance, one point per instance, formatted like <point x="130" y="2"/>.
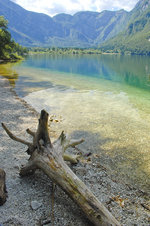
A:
<point x="33" y="201"/>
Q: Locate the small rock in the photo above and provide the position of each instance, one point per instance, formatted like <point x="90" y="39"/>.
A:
<point x="35" y="205"/>
<point x="131" y="212"/>
<point x="16" y="167"/>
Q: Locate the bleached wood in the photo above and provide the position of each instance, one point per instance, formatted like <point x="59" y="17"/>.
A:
<point x="49" y="157"/>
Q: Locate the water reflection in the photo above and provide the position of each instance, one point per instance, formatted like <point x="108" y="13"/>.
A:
<point x="7" y="71"/>
<point x="105" y="97"/>
<point x="130" y="70"/>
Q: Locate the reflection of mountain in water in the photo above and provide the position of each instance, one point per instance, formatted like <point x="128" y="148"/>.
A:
<point x="131" y="70"/>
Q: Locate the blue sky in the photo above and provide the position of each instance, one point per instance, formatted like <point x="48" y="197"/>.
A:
<point x="53" y="7"/>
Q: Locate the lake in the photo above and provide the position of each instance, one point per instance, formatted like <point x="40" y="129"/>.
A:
<point x="102" y="98"/>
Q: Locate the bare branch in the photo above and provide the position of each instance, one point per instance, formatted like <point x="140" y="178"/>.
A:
<point x="66" y="142"/>
<point x="71" y="158"/>
<point x="61" y="138"/>
<point x="30" y="132"/>
<point x="72" y="143"/>
<point x="13" y="137"/>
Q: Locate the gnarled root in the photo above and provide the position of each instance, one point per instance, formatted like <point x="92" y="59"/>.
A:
<point x="49" y="157"/>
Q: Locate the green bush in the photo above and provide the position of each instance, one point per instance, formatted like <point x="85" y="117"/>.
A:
<point x="8" y="48"/>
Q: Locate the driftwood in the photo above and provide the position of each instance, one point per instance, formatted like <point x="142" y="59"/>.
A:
<point x="3" y="192"/>
<point x="50" y="159"/>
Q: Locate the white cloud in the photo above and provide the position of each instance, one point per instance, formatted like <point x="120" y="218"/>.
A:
<point x="53" y="7"/>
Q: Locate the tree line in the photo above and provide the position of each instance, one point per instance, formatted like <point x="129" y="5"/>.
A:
<point x="64" y="50"/>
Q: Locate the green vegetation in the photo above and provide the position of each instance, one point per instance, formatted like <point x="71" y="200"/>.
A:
<point x="56" y="50"/>
<point x="85" y="32"/>
<point x="9" y="49"/>
<point x="138" y="44"/>
<point x="111" y="31"/>
<point x="135" y="39"/>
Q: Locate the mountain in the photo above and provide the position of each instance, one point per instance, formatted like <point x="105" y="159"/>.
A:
<point x="116" y="31"/>
<point x="27" y="27"/>
<point x="84" y="29"/>
<point x="92" y="27"/>
<point x="135" y="37"/>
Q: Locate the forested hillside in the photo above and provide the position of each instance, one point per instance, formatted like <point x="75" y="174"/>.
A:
<point x="136" y="36"/>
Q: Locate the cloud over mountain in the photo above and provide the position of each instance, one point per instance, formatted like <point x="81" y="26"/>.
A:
<point x="54" y="7"/>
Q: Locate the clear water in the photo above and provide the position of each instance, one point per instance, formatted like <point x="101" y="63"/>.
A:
<point x="103" y="98"/>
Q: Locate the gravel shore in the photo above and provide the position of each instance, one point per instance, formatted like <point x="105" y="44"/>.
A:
<point x="33" y="201"/>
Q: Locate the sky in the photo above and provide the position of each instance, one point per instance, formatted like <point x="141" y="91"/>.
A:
<point x="53" y="7"/>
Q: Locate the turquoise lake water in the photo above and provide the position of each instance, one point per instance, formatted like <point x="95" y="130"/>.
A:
<point x="103" y="98"/>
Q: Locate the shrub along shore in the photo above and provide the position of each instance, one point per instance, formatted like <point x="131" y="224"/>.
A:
<point x="9" y="49"/>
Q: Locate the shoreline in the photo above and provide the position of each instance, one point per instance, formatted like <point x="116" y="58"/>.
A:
<point x="124" y="201"/>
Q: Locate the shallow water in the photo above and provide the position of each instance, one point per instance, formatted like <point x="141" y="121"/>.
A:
<point x="105" y="99"/>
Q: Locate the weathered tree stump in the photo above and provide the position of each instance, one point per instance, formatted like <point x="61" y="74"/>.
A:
<point x="3" y="192"/>
<point x="50" y="159"/>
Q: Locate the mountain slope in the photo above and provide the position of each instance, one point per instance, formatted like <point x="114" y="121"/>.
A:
<point x="83" y="29"/>
<point x="136" y="36"/>
<point x="25" y="26"/>
<point x="110" y="21"/>
<point x="118" y="31"/>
